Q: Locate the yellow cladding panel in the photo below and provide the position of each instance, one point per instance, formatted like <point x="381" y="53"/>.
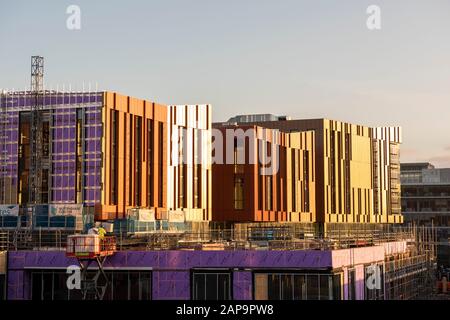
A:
<point x="360" y="164"/>
<point x="361" y="149"/>
<point x="295" y="140"/>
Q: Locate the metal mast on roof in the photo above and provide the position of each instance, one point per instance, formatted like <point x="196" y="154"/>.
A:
<point x="37" y="97"/>
<point x="3" y="152"/>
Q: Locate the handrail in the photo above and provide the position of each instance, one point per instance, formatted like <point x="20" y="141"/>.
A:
<point x="227" y="239"/>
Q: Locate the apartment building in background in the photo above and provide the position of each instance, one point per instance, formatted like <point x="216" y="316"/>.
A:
<point x="356" y="171"/>
<point x="104" y="153"/>
<point x="426" y="202"/>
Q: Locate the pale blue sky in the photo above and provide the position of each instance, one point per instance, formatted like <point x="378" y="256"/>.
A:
<point x="307" y="59"/>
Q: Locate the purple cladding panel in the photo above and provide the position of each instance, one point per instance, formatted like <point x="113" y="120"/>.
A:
<point x="178" y="259"/>
<point x="171" y="269"/>
<point x="242" y="285"/>
<point x="170" y="285"/>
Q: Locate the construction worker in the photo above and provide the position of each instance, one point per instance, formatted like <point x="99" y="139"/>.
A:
<point x="101" y="233"/>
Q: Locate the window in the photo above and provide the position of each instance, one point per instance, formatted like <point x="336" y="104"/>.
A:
<point x="160" y="162"/>
<point x="150" y="155"/>
<point x="297" y="286"/>
<point x="269" y="195"/>
<point x="306" y="180"/>
<point x="238" y="193"/>
<point x="120" y="289"/>
<point x="288" y="289"/>
<point x="114" y="155"/>
<point x="347" y="174"/>
<point x="138" y="161"/>
<point x="197" y="186"/>
<point x="182" y="168"/>
<point x="312" y="287"/>
<point x="2" y="287"/>
<point x="260" y="180"/>
<point x="352" y="284"/>
<point x="239" y="154"/>
<point x="44" y="285"/>
<point x="211" y="285"/>
<point x="325" y="287"/>
<point x="294" y="181"/>
<point x="332" y="172"/>
<point x="124" y="285"/>
<point x="181" y="185"/>
<point x="79" y="156"/>
<point x="274" y="287"/>
<point x="130" y="162"/>
<point x="337" y="288"/>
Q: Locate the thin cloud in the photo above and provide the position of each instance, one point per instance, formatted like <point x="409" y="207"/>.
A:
<point x="441" y="161"/>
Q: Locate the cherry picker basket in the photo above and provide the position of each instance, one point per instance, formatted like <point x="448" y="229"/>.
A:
<point x="90" y="246"/>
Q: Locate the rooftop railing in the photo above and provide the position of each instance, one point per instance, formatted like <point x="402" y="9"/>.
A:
<point x="224" y="239"/>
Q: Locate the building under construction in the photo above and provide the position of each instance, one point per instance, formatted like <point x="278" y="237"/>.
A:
<point x="395" y="264"/>
<point x="69" y="159"/>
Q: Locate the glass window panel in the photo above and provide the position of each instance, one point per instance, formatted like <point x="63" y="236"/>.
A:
<point x="211" y="287"/>
<point x="325" y="290"/>
<point x="286" y="287"/>
<point x="223" y="287"/>
<point x="36" y="286"/>
<point x="145" y="286"/>
<point x="337" y="287"/>
<point x="60" y="286"/>
<point x="134" y="286"/>
<point x="120" y="286"/>
<point x="312" y="285"/>
<point x="47" y="283"/>
<point x="352" y="284"/>
<point x="299" y="287"/>
<point x="274" y="291"/>
<point x="199" y="287"/>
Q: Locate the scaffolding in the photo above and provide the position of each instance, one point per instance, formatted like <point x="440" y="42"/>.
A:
<point x="8" y="175"/>
<point x="36" y="136"/>
<point x="3" y="146"/>
<point x="411" y="275"/>
<point x="50" y="150"/>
